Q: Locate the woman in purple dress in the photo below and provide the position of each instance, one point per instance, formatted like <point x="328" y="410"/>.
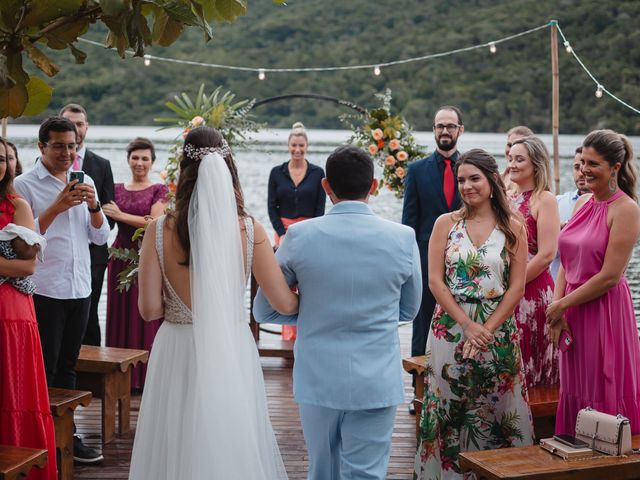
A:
<point x="592" y="301"/>
<point x="136" y="204"/>
<point x="530" y="173"/>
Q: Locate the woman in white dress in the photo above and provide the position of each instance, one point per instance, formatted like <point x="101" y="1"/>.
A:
<point x="204" y="411"/>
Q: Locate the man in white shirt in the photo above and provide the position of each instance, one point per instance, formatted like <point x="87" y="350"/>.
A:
<point x="567" y="201"/>
<point x="69" y="216"/>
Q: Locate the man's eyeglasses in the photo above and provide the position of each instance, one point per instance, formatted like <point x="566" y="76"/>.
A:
<point x="451" y="127"/>
<point x="59" y="147"/>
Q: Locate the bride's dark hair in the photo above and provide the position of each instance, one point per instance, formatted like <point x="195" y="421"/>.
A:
<point x="199" y="138"/>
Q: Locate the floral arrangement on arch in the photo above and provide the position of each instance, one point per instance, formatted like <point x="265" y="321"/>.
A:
<point x="231" y="118"/>
<point x="389" y="140"/>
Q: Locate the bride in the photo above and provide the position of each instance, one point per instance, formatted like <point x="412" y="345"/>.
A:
<point x="204" y="411"/>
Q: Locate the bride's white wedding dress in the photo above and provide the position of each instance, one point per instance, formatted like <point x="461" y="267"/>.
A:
<point x="204" y="413"/>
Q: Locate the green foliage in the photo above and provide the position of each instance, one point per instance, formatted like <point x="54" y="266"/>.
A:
<point x="26" y="28"/>
<point x="495" y="92"/>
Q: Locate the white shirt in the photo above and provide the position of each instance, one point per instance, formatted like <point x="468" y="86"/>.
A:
<point x="66" y="270"/>
<point x="566" y="203"/>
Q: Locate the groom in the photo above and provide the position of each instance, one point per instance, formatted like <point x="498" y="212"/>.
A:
<point x="358" y="276"/>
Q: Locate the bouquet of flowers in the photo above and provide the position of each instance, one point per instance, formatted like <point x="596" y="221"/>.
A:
<point x="389" y="140"/>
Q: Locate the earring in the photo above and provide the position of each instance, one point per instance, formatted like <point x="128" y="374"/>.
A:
<point x="613" y="184"/>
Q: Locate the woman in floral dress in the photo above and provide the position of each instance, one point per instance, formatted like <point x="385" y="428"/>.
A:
<point x="475" y="396"/>
<point x="529" y="170"/>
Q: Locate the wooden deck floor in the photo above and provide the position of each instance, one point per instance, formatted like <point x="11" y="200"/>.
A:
<point x="284" y="417"/>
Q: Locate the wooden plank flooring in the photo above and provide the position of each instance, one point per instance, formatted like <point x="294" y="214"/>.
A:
<point x="284" y="417"/>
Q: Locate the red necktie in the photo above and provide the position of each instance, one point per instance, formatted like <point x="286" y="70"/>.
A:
<point x="447" y="183"/>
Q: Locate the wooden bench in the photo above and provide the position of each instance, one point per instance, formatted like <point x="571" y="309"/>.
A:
<point x="63" y="403"/>
<point x="543" y="400"/>
<point x="16" y="462"/>
<point x="535" y="463"/>
<point x="106" y="372"/>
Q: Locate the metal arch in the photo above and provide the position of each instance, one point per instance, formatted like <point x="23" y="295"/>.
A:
<point x="325" y="98"/>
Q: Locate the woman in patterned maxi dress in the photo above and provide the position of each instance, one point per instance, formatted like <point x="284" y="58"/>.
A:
<point x="475" y="395"/>
<point x="529" y="170"/>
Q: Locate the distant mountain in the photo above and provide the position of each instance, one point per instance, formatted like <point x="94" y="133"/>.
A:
<point x="495" y="91"/>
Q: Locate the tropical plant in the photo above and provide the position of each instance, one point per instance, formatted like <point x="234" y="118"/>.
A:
<point x="219" y="110"/>
<point x="389" y="140"/>
<point x="28" y="28"/>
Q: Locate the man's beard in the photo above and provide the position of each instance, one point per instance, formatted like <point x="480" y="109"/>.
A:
<point x="447" y="146"/>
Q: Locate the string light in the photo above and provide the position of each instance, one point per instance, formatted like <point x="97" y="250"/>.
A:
<point x="377" y="68"/>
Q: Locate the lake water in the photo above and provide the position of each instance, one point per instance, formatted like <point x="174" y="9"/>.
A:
<point x="269" y="148"/>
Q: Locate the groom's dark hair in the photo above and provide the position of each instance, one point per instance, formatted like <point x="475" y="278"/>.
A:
<point x="349" y="172"/>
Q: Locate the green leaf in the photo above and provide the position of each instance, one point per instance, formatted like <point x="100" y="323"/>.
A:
<point x="113" y="7"/>
<point x="44" y="11"/>
<point x="59" y="38"/>
<point x="166" y="30"/>
<point x="39" y="96"/>
<point x="39" y="59"/>
<point x="14" y="67"/>
<point x="13" y="101"/>
<point x="229" y="10"/>
<point x="6" y="81"/>
<point x="10" y="13"/>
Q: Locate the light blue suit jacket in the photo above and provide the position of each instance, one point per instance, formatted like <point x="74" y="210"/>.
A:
<point x="357" y="276"/>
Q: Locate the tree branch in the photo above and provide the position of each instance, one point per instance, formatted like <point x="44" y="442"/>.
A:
<point x="64" y="21"/>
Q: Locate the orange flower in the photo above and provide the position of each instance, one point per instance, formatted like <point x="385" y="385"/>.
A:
<point x="402" y="155"/>
<point x="380" y="143"/>
<point x="390" y="160"/>
<point x="400" y="172"/>
<point x="377" y="134"/>
<point x="172" y="187"/>
<point x="394" y="144"/>
<point x="185" y="132"/>
<point x="373" y="149"/>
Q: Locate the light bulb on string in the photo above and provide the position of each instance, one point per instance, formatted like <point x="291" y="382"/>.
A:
<point x="376" y="70"/>
<point x="567" y="46"/>
<point x="492" y="47"/>
<point x="599" y="91"/>
<point x="147" y="60"/>
<point x="261" y="74"/>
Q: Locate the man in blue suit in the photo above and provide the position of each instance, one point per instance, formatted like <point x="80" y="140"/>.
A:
<point x="431" y="190"/>
<point x="357" y="276"/>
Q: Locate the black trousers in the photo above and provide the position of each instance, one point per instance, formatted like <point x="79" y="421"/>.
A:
<point x="61" y="324"/>
<point x="422" y="322"/>
<point x="92" y="334"/>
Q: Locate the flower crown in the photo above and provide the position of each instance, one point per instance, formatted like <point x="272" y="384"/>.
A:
<point x="197" y="154"/>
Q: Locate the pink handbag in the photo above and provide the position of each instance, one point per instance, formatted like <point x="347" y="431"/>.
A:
<point x="610" y="434"/>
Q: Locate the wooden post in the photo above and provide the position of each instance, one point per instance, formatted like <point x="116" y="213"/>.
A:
<point x="555" y="103"/>
<point x="5" y="122"/>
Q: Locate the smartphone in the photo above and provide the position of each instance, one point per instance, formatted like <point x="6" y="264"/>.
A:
<point x="571" y="441"/>
<point x="565" y="341"/>
<point x="79" y="175"/>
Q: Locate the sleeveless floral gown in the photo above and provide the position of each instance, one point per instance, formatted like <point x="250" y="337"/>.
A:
<point x="480" y="403"/>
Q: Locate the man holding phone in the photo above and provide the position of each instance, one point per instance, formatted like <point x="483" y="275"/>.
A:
<point x="99" y="169"/>
<point x="68" y="215"/>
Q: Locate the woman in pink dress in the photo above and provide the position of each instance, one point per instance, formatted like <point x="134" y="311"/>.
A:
<point x="529" y="171"/>
<point x="136" y="203"/>
<point x="592" y="301"/>
<point x="25" y="416"/>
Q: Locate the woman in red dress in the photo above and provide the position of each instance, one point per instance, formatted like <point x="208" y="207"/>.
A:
<point x="25" y="417"/>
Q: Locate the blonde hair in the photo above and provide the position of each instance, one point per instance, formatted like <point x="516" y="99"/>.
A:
<point x="539" y="156"/>
<point x="298" y="130"/>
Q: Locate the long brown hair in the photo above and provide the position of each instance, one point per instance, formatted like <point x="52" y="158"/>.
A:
<point x="616" y="148"/>
<point x="539" y="156"/>
<point x="6" y="184"/>
<point x="500" y="204"/>
<point x="199" y="138"/>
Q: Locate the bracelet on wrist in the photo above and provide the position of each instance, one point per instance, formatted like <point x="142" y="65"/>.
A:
<point x="95" y="210"/>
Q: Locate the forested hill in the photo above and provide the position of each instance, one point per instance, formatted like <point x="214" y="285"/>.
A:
<point x="495" y="91"/>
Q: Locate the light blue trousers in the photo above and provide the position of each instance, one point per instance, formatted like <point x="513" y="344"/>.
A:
<point x="347" y="444"/>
